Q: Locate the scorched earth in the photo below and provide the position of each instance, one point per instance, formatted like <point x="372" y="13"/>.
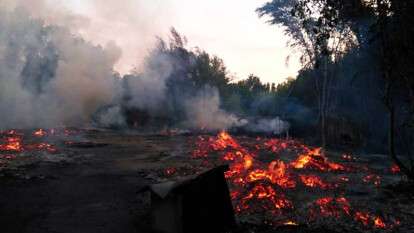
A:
<point x="86" y="180"/>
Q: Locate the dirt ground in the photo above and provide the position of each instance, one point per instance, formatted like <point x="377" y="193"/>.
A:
<point x="91" y="184"/>
<point x="83" y="188"/>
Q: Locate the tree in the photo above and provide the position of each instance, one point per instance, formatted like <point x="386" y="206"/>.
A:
<point x="209" y="70"/>
<point x="314" y="24"/>
<point x="322" y="35"/>
<point x="394" y="31"/>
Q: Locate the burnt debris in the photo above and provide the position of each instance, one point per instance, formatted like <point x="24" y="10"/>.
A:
<point x="193" y="204"/>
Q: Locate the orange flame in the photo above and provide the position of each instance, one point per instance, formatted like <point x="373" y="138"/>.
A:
<point x="12" y="144"/>
<point x="257" y="184"/>
<point x="39" y="133"/>
<point x="379" y="223"/>
<point x="313" y="181"/>
<point x="362" y="217"/>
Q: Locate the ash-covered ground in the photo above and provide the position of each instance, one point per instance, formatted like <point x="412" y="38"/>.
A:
<point x="89" y="182"/>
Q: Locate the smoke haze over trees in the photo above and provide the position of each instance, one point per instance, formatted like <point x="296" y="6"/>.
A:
<point x="370" y="84"/>
<point x="50" y="76"/>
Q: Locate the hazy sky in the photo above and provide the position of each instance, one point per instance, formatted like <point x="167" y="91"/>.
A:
<point x="229" y="29"/>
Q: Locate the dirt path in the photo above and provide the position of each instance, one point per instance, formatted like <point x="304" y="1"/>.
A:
<point x="72" y="198"/>
<point x="93" y="190"/>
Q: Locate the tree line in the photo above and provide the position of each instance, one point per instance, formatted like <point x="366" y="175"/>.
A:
<point x="328" y="33"/>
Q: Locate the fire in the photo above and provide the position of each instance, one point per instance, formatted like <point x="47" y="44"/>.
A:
<point x="279" y="176"/>
<point x="12" y="144"/>
<point x="362" y="217"/>
<point x="395" y="169"/>
<point x="39" y="133"/>
<point x="267" y="193"/>
<point x="333" y="207"/>
<point x="248" y="162"/>
<point x="290" y="223"/>
<point x="301" y="161"/>
<point x="170" y="171"/>
<point x="379" y="223"/>
<point x="313" y="181"/>
<point x="314" y="159"/>
<point x="265" y="185"/>
<point x="367" y="219"/>
<point x="43" y="146"/>
<point x="223" y="141"/>
<point x="375" y="179"/>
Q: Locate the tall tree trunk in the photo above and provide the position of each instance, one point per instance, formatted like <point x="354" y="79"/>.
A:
<point x="324" y="105"/>
<point x="391" y="143"/>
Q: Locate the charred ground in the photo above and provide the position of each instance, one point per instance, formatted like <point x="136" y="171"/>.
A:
<point x="91" y="182"/>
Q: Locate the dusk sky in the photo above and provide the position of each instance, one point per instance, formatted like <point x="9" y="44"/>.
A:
<point x="230" y="29"/>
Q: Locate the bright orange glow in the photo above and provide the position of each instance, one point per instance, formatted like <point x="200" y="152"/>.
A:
<point x="248" y="162"/>
<point x="263" y="184"/>
<point x="39" y="133"/>
<point x="12" y="144"/>
<point x="301" y="161"/>
<point x="313" y="181"/>
<point x="362" y="217"/>
<point x="290" y="223"/>
<point x="372" y="178"/>
<point x="379" y="223"/>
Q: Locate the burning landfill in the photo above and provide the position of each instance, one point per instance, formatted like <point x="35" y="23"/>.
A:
<point x="269" y="176"/>
<point x="154" y="126"/>
<point x="18" y="144"/>
<point x="272" y="181"/>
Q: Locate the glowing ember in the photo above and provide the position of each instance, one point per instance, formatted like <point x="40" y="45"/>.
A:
<point x="279" y="176"/>
<point x="379" y="223"/>
<point x="362" y="217"/>
<point x="248" y="162"/>
<point x="223" y="141"/>
<point x="39" y="133"/>
<point x="170" y="171"/>
<point x="395" y="169"/>
<point x="313" y="181"/>
<point x="12" y="144"/>
<point x="43" y="146"/>
<point x="314" y="159"/>
<point x="260" y="185"/>
<point x="302" y="161"/>
<point x="332" y="207"/>
<point x="267" y="194"/>
<point x="372" y="178"/>
<point x="290" y="223"/>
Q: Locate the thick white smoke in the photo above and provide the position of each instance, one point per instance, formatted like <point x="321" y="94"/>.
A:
<point x="48" y="76"/>
<point x="148" y="88"/>
<point x="51" y="76"/>
<point x="270" y="126"/>
<point x="203" y="111"/>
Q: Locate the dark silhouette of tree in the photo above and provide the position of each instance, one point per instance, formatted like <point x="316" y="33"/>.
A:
<point x="321" y="34"/>
<point x="315" y="24"/>
<point x="394" y="30"/>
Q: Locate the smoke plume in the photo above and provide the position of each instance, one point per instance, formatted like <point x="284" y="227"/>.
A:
<point x="50" y="75"/>
<point x="204" y="112"/>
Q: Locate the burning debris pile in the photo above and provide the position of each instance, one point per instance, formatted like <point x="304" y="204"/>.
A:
<point x="288" y="183"/>
<point x="16" y="143"/>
